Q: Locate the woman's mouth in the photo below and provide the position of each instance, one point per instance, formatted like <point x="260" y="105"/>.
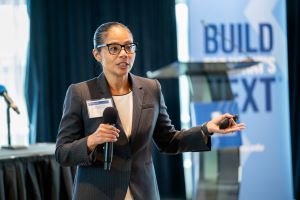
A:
<point x="123" y="64"/>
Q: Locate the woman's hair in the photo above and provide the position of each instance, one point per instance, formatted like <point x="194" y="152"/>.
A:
<point x="102" y="30"/>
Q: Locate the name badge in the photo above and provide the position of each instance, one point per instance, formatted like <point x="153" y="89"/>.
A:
<point x="96" y="107"/>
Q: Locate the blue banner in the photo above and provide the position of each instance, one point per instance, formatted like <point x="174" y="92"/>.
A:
<point x="243" y="31"/>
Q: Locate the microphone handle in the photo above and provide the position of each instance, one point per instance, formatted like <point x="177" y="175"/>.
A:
<point x="108" y="155"/>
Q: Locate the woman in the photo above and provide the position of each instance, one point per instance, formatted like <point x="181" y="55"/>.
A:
<point x="142" y="116"/>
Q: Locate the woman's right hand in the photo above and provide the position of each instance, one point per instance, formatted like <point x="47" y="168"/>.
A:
<point x="104" y="133"/>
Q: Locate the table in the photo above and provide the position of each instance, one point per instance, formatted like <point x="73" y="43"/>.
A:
<point x="33" y="173"/>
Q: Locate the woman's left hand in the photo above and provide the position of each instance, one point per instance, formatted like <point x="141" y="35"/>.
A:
<point x="213" y="125"/>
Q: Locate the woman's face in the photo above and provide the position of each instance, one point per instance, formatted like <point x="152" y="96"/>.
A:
<point x="118" y="65"/>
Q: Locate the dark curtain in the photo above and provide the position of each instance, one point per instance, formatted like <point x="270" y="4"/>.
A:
<point x="60" y="53"/>
<point x="293" y="23"/>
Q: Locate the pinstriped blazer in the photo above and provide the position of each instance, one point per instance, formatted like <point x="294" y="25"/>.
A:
<point x="132" y="160"/>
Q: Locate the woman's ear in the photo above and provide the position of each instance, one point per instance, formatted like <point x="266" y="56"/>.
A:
<point x="97" y="55"/>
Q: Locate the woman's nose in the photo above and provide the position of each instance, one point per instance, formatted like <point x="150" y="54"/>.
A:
<point x="123" y="53"/>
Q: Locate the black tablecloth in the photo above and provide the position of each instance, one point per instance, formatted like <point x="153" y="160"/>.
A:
<point x="33" y="173"/>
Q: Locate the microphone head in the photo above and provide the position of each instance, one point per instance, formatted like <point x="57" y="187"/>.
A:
<point x="110" y="115"/>
<point x="2" y="89"/>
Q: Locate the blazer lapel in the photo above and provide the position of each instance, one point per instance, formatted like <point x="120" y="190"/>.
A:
<point x="138" y="94"/>
<point x="102" y="87"/>
<point x="98" y="88"/>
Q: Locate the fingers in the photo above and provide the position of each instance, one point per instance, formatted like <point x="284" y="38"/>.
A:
<point x="232" y="122"/>
<point x="217" y="120"/>
<point x="227" y="115"/>
<point x="108" y="129"/>
<point x="106" y="133"/>
<point x="236" y="127"/>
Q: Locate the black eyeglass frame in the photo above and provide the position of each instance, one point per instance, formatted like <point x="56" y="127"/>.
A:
<point x="122" y="47"/>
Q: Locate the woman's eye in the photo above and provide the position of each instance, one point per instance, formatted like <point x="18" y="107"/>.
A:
<point x="114" y="48"/>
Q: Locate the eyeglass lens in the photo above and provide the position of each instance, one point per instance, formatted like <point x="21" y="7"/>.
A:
<point x="116" y="48"/>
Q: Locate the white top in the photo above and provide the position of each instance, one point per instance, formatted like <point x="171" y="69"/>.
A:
<point x="124" y="104"/>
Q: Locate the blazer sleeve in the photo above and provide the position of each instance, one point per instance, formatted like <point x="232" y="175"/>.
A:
<point x="169" y="140"/>
<point x="71" y="144"/>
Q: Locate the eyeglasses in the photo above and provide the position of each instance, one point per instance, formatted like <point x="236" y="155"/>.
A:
<point x="115" y="49"/>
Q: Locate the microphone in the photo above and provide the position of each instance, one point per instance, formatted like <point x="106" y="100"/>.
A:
<point x="110" y="116"/>
<point x="8" y="100"/>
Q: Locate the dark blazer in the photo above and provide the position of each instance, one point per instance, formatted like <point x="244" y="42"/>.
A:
<point x="132" y="160"/>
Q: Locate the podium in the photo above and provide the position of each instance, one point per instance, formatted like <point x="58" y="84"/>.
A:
<point x="213" y="175"/>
